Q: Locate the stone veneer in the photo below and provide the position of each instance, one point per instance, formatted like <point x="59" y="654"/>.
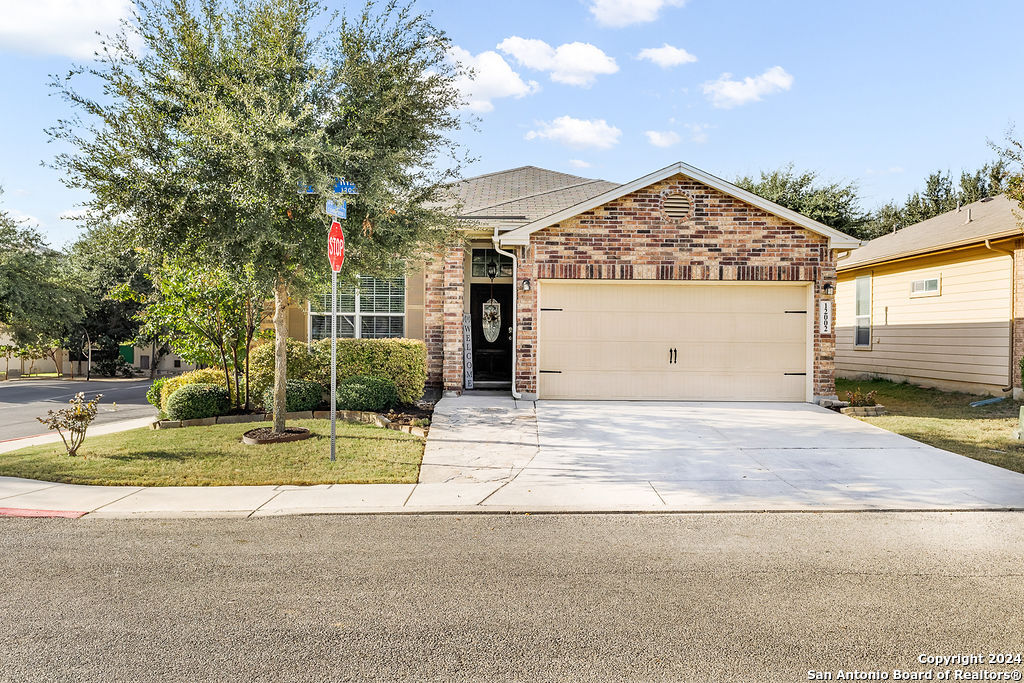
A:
<point x="630" y="238"/>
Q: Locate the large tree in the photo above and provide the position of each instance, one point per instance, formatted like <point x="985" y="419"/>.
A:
<point x="835" y="204"/>
<point x="98" y="264"/>
<point x="38" y="306"/>
<point x="214" y="112"/>
<point x="940" y="194"/>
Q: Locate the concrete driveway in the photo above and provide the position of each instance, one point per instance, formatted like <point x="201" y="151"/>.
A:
<point x="619" y="455"/>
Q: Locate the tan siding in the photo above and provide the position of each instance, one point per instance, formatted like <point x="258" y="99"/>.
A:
<point x="414" y="298"/>
<point x="959" y="339"/>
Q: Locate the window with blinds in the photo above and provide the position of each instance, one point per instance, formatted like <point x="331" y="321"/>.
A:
<point x="372" y="309"/>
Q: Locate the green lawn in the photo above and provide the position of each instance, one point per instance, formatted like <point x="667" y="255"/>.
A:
<point x="945" y="420"/>
<point x="215" y="456"/>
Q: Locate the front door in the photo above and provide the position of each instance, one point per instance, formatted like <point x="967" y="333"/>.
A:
<point x="492" y="360"/>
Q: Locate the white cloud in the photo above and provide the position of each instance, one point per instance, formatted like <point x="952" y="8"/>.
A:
<point x="726" y="93"/>
<point x="25" y="219"/>
<point x="61" y="27"/>
<point x="620" y="13"/>
<point x="578" y="133"/>
<point x="571" y="63"/>
<point x="579" y="163"/>
<point x="660" y="138"/>
<point x="698" y="132"/>
<point x="666" y="56"/>
<point x="491" y="79"/>
<point x="884" y="171"/>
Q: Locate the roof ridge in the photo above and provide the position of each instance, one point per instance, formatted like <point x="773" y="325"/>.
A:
<point x="587" y="181"/>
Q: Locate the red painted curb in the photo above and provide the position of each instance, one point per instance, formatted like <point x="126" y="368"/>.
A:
<point x="22" y="512"/>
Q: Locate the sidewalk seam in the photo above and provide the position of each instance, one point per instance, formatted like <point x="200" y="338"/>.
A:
<point x="15" y="495"/>
<point x="260" y="506"/>
<point x="132" y="493"/>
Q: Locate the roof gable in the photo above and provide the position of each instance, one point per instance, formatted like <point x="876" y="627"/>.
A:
<point x="521" y="235"/>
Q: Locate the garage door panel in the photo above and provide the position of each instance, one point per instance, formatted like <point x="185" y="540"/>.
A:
<point x="734" y="342"/>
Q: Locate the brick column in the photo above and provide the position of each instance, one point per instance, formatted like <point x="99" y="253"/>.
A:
<point x="433" y="319"/>
<point x="453" y="309"/>
<point x="824" y="385"/>
<point x="526" y="319"/>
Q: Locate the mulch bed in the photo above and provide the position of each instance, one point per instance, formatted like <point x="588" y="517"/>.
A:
<point x="409" y="413"/>
<point x="264" y="435"/>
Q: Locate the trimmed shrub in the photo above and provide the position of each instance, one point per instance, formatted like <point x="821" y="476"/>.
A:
<point x="403" y="361"/>
<point x="153" y="393"/>
<point x="375" y="394"/>
<point x="204" y="376"/>
<point x="301" y="365"/>
<point x="300" y="394"/>
<point x="194" y="401"/>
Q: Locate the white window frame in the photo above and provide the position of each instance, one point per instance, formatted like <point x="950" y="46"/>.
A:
<point x="357" y="315"/>
<point x="858" y="318"/>
<point x="932" y="292"/>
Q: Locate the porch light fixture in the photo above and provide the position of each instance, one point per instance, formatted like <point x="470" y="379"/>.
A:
<point x="827" y="288"/>
<point x="526" y="285"/>
<point x="492" y="270"/>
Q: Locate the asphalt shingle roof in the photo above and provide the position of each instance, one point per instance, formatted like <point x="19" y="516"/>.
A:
<point x="520" y="195"/>
<point x="989" y="218"/>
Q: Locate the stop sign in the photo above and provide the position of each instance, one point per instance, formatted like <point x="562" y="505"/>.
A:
<point x="336" y="246"/>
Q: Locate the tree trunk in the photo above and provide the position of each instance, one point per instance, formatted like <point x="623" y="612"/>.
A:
<point x="280" y="352"/>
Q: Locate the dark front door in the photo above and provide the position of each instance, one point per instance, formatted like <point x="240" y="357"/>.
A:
<point x="492" y="360"/>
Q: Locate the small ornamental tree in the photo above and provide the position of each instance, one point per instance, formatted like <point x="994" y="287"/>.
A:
<point x="72" y="422"/>
<point x="215" y="112"/>
<point x="211" y="315"/>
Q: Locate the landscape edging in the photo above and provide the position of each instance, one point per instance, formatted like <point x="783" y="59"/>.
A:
<point x="354" y="416"/>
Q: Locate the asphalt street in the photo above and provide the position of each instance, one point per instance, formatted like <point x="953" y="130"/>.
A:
<point x="22" y="401"/>
<point x="728" y="597"/>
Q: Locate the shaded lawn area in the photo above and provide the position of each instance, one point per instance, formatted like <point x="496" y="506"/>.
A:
<point x="215" y="456"/>
<point x="945" y="420"/>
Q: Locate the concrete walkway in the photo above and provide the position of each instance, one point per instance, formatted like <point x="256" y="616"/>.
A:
<point x="489" y="453"/>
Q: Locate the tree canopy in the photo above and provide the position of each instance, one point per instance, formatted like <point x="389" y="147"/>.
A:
<point x="835" y="204"/>
<point x="215" y="112"/>
<point x="36" y="304"/>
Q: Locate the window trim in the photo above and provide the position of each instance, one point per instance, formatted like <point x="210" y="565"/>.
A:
<point x="936" y="292"/>
<point x="358" y="315"/>
<point x="856" y="317"/>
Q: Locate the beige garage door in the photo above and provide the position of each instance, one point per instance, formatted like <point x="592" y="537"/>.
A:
<point x="722" y="341"/>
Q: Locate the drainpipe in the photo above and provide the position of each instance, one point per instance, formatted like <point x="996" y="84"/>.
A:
<point x="1013" y="305"/>
<point x="515" y="308"/>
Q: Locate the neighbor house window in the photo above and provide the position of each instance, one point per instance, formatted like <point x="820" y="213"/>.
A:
<point x="862" y="313"/>
<point x="372" y="309"/>
<point x="481" y="257"/>
<point x="928" y="287"/>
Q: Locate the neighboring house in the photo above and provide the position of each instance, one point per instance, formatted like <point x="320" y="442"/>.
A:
<point x="678" y="285"/>
<point x="936" y="303"/>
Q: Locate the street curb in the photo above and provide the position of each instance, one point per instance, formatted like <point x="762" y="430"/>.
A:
<point x="25" y="512"/>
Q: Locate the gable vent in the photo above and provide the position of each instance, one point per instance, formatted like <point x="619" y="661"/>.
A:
<point x="676" y="207"/>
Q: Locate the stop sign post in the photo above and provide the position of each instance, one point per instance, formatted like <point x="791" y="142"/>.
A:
<point x="336" y="257"/>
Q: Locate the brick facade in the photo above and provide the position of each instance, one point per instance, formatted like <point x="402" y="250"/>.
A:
<point x="443" y="280"/>
<point x="631" y="238"/>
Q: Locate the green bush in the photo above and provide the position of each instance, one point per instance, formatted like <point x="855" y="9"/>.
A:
<point x="204" y="376"/>
<point x="300" y="394"/>
<point x="153" y="394"/>
<point x="403" y="361"/>
<point x="375" y="394"/>
<point x="194" y="401"/>
<point x="301" y="365"/>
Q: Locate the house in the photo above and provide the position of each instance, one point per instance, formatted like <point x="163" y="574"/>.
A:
<point x="677" y="285"/>
<point x="937" y="303"/>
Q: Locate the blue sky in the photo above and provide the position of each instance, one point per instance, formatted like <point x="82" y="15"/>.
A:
<point x="877" y="92"/>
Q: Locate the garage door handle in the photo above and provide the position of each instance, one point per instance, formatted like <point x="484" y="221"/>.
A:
<point x="673" y="356"/>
